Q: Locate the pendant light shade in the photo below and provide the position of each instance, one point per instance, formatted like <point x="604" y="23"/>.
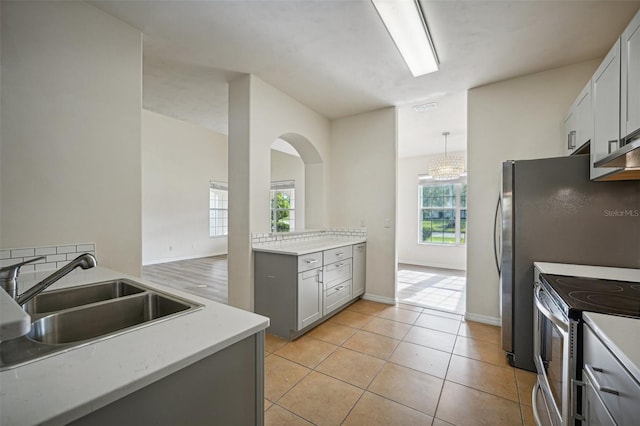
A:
<point x="446" y="167"/>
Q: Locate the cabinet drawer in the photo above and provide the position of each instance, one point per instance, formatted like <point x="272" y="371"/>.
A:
<point x="309" y="261"/>
<point x="337" y="254"/>
<point x="337" y="273"/>
<point x="336" y="297"/>
<point x="619" y="392"/>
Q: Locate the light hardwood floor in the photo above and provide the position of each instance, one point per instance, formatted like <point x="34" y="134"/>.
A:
<point x="206" y="277"/>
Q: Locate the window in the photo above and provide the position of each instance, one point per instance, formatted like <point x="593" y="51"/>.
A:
<point x="218" y="209"/>
<point x="443" y="213"/>
<point x="283" y="214"/>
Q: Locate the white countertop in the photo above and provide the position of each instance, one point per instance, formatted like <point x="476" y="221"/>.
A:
<point x="621" y="335"/>
<point x="602" y="272"/>
<point x="68" y="385"/>
<point x="309" y="246"/>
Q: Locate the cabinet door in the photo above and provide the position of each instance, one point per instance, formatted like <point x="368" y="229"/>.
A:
<point x="584" y="117"/>
<point x="606" y="110"/>
<point x="359" y="269"/>
<point x="630" y="80"/>
<point x="309" y="297"/>
<point x="569" y="142"/>
<point x="595" y="412"/>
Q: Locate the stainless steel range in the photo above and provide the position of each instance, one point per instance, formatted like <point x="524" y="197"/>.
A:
<point x="559" y="303"/>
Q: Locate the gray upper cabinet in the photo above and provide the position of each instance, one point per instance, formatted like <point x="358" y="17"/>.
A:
<point x="584" y="117"/>
<point x="630" y="81"/>
<point x="578" y="123"/>
<point x="570" y="132"/>
<point x="606" y="110"/>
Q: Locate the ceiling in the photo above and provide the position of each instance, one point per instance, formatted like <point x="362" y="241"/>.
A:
<point x="337" y="58"/>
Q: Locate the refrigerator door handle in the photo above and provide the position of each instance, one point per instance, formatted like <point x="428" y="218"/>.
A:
<point x="495" y="234"/>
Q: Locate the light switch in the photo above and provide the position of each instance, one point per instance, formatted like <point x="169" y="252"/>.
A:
<point x="387" y="222"/>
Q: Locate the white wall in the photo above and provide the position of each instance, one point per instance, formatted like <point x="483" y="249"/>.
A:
<point x="409" y="251"/>
<point x="178" y="161"/>
<point x="290" y="167"/>
<point x="509" y="120"/>
<point x="70" y="153"/>
<point x="363" y="191"/>
<point x="258" y="115"/>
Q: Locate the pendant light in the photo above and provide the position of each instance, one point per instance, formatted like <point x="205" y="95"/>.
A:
<point x="446" y="167"/>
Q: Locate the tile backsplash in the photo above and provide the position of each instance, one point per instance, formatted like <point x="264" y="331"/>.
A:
<point x="278" y="238"/>
<point x="55" y="256"/>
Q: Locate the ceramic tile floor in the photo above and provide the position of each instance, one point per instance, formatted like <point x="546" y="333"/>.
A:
<point x="377" y="364"/>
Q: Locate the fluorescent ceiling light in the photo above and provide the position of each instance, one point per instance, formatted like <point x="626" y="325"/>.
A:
<point x="408" y="29"/>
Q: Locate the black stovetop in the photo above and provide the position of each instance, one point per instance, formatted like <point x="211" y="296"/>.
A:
<point x="596" y="295"/>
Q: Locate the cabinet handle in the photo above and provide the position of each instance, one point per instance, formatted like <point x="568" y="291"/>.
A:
<point x="312" y="261"/>
<point x="596" y="385"/>
<point x="340" y="254"/>
<point x="339" y="265"/>
<point x="571" y="140"/>
<point x="340" y="287"/>
<point x="613" y="142"/>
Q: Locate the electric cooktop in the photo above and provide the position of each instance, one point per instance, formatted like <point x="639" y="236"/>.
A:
<point x="595" y="295"/>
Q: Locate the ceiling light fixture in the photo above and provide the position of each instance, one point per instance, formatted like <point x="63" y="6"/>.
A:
<point x="407" y="26"/>
<point x="446" y="167"/>
<point x="425" y="107"/>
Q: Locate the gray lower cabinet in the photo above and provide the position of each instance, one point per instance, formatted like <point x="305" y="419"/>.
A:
<point x="612" y="394"/>
<point x="359" y="269"/>
<point x="595" y="412"/>
<point x="225" y="388"/>
<point x="299" y="292"/>
<point x="309" y="297"/>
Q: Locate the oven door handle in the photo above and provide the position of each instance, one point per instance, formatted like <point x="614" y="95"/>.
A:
<point x="559" y="322"/>
<point x="534" y="403"/>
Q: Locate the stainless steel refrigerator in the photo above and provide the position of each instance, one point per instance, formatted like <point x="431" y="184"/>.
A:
<point x="552" y="212"/>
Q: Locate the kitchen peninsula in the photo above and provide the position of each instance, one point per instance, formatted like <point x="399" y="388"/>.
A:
<point x="202" y="366"/>
<point x="303" y="279"/>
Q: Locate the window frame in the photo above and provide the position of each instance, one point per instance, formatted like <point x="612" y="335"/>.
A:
<point x="282" y="187"/>
<point x="458" y="185"/>
<point x="222" y="187"/>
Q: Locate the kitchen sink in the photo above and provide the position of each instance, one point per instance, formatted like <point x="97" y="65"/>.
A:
<point x="77" y="296"/>
<point x="71" y="317"/>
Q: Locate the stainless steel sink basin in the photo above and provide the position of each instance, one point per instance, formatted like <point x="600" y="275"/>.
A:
<point x="57" y="300"/>
<point x="75" y="316"/>
<point x="75" y="325"/>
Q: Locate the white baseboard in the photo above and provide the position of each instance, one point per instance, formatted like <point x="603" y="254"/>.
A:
<point x="485" y="319"/>
<point x="456" y="267"/>
<point x="175" y="259"/>
<point x="381" y="299"/>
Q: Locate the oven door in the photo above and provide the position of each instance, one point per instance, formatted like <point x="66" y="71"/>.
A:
<point x="552" y="336"/>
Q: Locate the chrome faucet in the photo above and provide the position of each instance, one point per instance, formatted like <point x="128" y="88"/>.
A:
<point x="9" y="276"/>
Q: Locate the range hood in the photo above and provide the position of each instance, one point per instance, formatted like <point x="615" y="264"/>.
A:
<point x="627" y="158"/>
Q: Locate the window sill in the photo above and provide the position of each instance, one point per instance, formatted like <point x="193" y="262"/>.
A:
<point x="420" y="243"/>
